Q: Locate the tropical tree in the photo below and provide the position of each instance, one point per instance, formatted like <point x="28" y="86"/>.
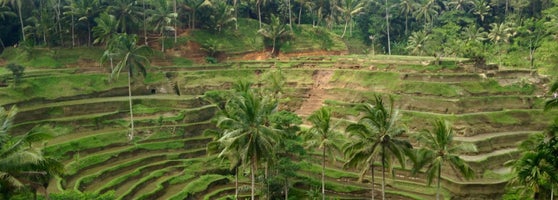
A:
<point x="246" y="129"/>
<point x="276" y="30"/>
<point x="193" y="6"/>
<point x="5" y="12"/>
<point x="407" y="7"/>
<point x="132" y="59"/>
<point x="481" y="9"/>
<point x="106" y="28"/>
<point x="18" y="4"/>
<point x="418" y="42"/>
<point x="322" y="135"/>
<point x="499" y="33"/>
<point x="223" y="15"/>
<point x="376" y="134"/>
<point x="161" y="16"/>
<point x="349" y="8"/>
<point x="21" y="160"/>
<point x="126" y="12"/>
<point x="460" y="4"/>
<point x="427" y="11"/>
<point x="474" y="33"/>
<point x="438" y="149"/>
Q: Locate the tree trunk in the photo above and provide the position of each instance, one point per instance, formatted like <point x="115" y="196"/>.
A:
<point x="383" y="173"/>
<point x="286" y="188"/>
<point x="438" y="186"/>
<point x="73" y="33"/>
<point x="259" y="12"/>
<point x="345" y="29"/>
<point x="88" y="33"/>
<point x="290" y="14"/>
<point x="194" y="19"/>
<point x="252" y="177"/>
<point x="406" y="24"/>
<point x="131" y="134"/>
<point x="236" y="183"/>
<point x="387" y="28"/>
<point x="300" y="14"/>
<point x="323" y="173"/>
<point x="372" y="176"/>
<point x="144" y="23"/>
<point x="175" y="24"/>
<point x="21" y="21"/>
<point x="235" y="15"/>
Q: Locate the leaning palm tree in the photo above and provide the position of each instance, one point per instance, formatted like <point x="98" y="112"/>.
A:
<point x="418" y="42"/>
<point x="438" y="149"/>
<point x="132" y="59"/>
<point x="161" y="17"/>
<point x="19" y="5"/>
<point x="376" y="134"/>
<point x="350" y="8"/>
<point x="323" y="135"/>
<point x="407" y="7"/>
<point x="246" y="130"/>
<point x="427" y="11"/>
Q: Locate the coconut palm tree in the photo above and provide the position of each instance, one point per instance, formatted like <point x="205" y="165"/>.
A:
<point x="481" y="9"/>
<point x="427" y="11"/>
<point x="162" y="17"/>
<point x="247" y="130"/>
<point x="349" y="8"/>
<point x="274" y="31"/>
<point x="417" y="42"/>
<point x="407" y="8"/>
<point x="106" y="28"/>
<point x="132" y="59"/>
<point x="438" y="149"/>
<point x="474" y="33"/>
<point x="193" y="6"/>
<point x="376" y="134"/>
<point x="21" y="160"/>
<point x="18" y="4"/>
<point x="127" y="13"/>
<point x="323" y="135"/>
<point x="460" y="4"/>
<point x="5" y="12"/>
<point x="534" y="171"/>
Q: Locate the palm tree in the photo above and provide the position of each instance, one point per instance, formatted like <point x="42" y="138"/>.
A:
<point x="21" y="160"/>
<point x="161" y="16"/>
<point x="499" y="33"/>
<point x="127" y="13"/>
<point x="5" y="12"/>
<point x="274" y="31"/>
<point x="481" y="9"/>
<point x="474" y="33"/>
<point x="460" y="4"/>
<point x="106" y="28"/>
<point x="132" y="59"/>
<point x="223" y="15"/>
<point x="407" y="7"/>
<point x="376" y="134"/>
<point x="323" y="135"/>
<point x="417" y="42"/>
<point x="18" y="4"/>
<point x="438" y="148"/>
<point x="193" y="6"/>
<point x="349" y="8"/>
<point x="534" y="171"/>
<point x="246" y="130"/>
<point x="302" y="4"/>
<point x="427" y="11"/>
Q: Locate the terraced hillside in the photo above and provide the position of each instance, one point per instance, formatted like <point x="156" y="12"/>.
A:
<point x="168" y="160"/>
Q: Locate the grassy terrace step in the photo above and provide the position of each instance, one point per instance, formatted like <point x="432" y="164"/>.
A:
<point x="107" y="104"/>
<point x="494" y="141"/>
<point x="149" y="177"/>
<point x="150" y="187"/>
<point x="199" y="185"/>
<point x="97" y="162"/>
<point x="96" y="142"/>
<point x="348" y="98"/>
<point x="107" y="173"/>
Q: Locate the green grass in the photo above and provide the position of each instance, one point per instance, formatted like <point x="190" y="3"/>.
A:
<point x="198" y="185"/>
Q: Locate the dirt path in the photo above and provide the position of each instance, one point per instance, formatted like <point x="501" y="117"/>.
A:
<point x="317" y="94"/>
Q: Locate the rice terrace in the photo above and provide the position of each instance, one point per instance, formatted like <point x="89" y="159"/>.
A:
<point x="291" y="99"/>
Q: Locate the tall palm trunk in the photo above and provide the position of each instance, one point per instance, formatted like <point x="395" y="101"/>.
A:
<point x="345" y="29"/>
<point x="21" y="21"/>
<point x="439" y="179"/>
<point x="387" y="28"/>
<point x="323" y="173"/>
<point x="131" y="134"/>
<point x="236" y="183"/>
<point x="383" y="173"/>
<point x="372" y="176"/>
<point x="175" y="23"/>
<point x="253" y="177"/>
<point x="144" y="23"/>
<point x="259" y="12"/>
<point x="73" y="32"/>
<point x="300" y="14"/>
